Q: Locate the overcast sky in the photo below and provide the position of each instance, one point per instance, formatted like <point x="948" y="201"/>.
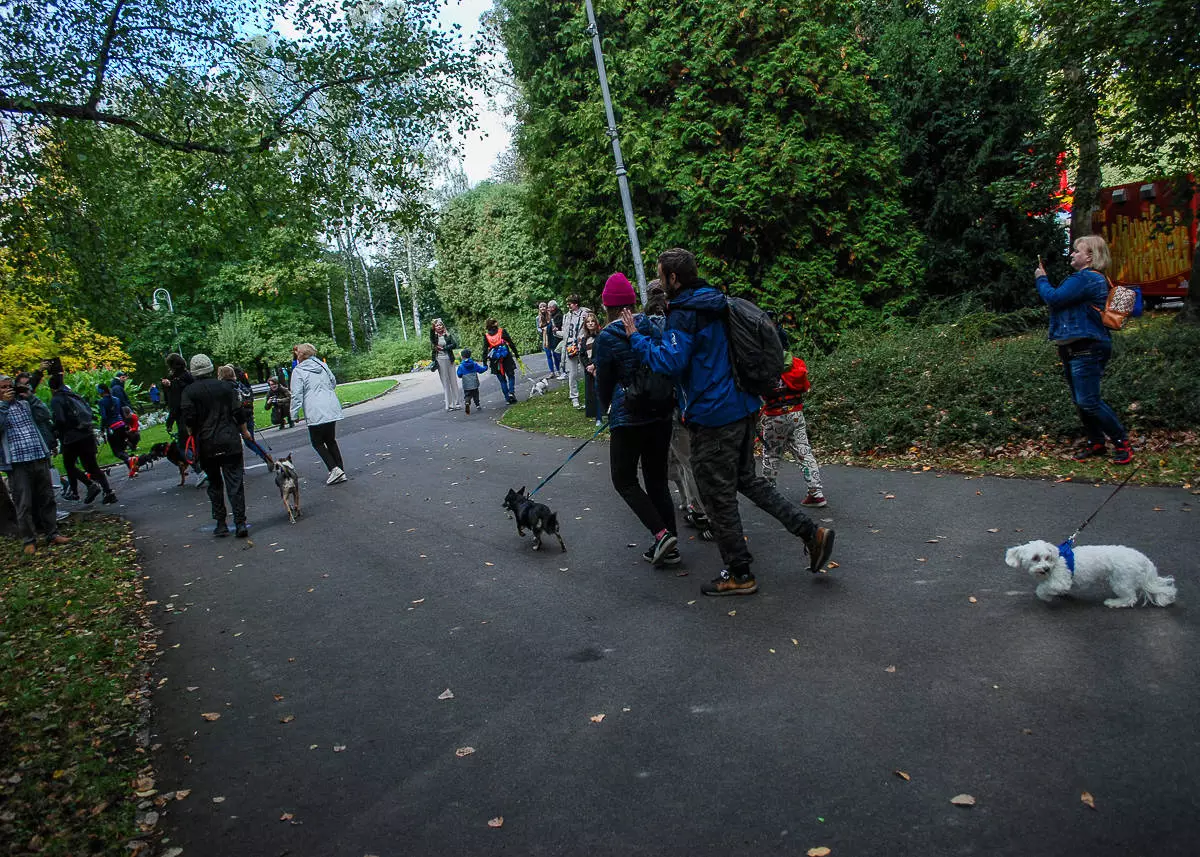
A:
<point x="481" y="147"/>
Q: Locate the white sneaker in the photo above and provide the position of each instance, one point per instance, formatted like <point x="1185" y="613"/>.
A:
<point x="341" y="478"/>
<point x="335" y="475"/>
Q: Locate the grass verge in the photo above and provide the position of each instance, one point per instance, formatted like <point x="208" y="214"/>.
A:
<point x="360" y="391"/>
<point x="73" y="672"/>
<point x="550" y="414"/>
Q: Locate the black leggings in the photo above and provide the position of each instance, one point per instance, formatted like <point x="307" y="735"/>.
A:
<point x="83" y="450"/>
<point x="648" y="444"/>
<point x="118" y="442"/>
<point x="323" y="441"/>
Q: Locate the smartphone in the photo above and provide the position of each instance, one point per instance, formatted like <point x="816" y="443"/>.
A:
<point x="1041" y="264"/>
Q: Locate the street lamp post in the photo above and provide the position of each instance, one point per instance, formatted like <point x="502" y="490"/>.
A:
<point x="171" y="309"/>
<point x="622" y="177"/>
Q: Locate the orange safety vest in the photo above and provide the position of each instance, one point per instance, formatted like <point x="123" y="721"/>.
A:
<point x="494" y="339"/>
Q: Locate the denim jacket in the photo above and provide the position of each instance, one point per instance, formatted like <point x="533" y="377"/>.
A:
<point x="1072" y="306"/>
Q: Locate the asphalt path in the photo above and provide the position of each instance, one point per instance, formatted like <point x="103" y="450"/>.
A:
<point x="612" y="709"/>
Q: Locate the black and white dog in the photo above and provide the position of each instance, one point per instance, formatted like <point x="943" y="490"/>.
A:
<point x="287" y="480"/>
<point x="533" y="516"/>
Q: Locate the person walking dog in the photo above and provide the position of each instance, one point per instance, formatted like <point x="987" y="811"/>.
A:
<point x="26" y="443"/>
<point x="1085" y="345"/>
<point x="212" y="411"/>
<point x="314" y="390"/>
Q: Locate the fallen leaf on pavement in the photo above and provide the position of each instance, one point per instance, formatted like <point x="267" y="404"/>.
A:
<point x="279" y="697"/>
<point x="795" y="642"/>
<point x="902" y="775"/>
<point x="446" y="694"/>
<point x="287" y="718"/>
<point x="339" y="748"/>
<point x="182" y="793"/>
<point x="489" y="564"/>
<point x="464" y="751"/>
<point x="419" y="601"/>
<point x="962" y="800"/>
<point x="1087" y="798"/>
<point x="218" y="800"/>
<point x="890" y="669"/>
<point x="498" y="821"/>
<point x="597" y="718"/>
<point x="889" y="496"/>
<point x="211" y="715"/>
<point x="931" y="541"/>
<point x="832" y="564"/>
<point x="732" y="612"/>
<point x="973" y="599"/>
<point x="993" y="529"/>
<point x="819" y="851"/>
<point x="287" y="816"/>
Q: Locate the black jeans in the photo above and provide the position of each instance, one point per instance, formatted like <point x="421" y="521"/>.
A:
<point x="225" y="474"/>
<point x="83" y="450"/>
<point x="324" y="441"/>
<point x="118" y="442"/>
<point x="723" y="465"/>
<point x="471" y="396"/>
<point x="648" y="445"/>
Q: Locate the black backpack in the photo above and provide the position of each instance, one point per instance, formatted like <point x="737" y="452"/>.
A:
<point x="755" y="347"/>
<point x="649" y="395"/>
<point x="77" y="413"/>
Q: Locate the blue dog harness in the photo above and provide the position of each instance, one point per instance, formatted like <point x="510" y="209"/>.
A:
<point x="1067" y="551"/>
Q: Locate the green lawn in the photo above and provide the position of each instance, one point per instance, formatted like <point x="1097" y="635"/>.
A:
<point x="348" y="394"/>
<point x="71" y="693"/>
<point x="549" y="414"/>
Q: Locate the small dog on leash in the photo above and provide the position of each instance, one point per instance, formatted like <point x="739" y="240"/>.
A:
<point x="1129" y="573"/>
<point x="287" y="480"/>
<point x="533" y="516"/>
<point x="172" y="453"/>
<point x="540" y="387"/>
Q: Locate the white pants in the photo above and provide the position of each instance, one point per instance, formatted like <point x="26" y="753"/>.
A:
<point x="789" y="433"/>
<point x="449" y="381"/>
<point x="574" y="376"/>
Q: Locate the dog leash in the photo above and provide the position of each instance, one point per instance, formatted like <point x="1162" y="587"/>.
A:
<point x="579" y="448"/>
<point x="1067" y="549"/>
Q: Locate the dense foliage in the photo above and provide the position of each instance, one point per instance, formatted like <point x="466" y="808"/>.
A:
<point x="753" y="136"/>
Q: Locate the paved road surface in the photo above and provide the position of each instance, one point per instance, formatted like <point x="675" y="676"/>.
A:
<point x="769" y="730"/>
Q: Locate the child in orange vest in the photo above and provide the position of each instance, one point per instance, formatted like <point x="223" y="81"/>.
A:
<point x="784" y="428"/>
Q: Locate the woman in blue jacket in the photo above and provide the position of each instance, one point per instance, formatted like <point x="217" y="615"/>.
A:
<point x="1084" y="344"/>
<point x="636" y="439"/>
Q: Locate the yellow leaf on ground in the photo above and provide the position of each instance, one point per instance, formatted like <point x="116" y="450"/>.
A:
<point x="464" y="751"/>
<point x="819" y="851"/>
<point x="902" y="775"/>
<point x="597" y="718"/>
<point x="1087" y="798"/>
<point x="973" y="599"/>
<point x="832" y="564"/>
<point x="182" y="793"/>
<point x="211" y="715"/>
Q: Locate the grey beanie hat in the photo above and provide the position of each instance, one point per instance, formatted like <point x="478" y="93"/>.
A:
<point x="200" y="364"/>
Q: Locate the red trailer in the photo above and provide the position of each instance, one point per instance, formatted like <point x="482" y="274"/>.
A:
<point x="1151" y="230"/>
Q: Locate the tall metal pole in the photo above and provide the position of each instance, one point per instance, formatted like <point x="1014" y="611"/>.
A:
<point x="170" y="309"/>
<point x="622" y="179"/>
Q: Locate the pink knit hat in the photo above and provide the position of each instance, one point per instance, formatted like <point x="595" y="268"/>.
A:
<point x="618" y="291"/>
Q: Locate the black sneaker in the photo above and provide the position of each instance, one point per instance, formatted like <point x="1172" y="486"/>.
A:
<point x="242" y="530"/>
<point x="662" y="547"/>
<point x="672" y="557"/>
<point x="71" y="495"/>
<point x="731" y="584"/>
<point x="1090" y="451"/>
<point x="820" y="548"/>
<point x="1122" y="453"/>
<point x="92" y="493"/>
<point x="221" y="530"/>
<point x="110" y="497"/>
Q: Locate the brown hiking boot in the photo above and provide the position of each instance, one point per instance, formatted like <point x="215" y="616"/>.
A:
<point x="731" y="584"/>
<point x="820" y="548"/>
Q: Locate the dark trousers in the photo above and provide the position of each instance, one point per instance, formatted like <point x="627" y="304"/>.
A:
<point x="591" y="401"/>
<point x="33" y="497"/>
<point x="324" y="441"/>
<point x="118" y="442"/>
<point x="83" y="450"/>
<point x="1083" y="365"/>
<point x="648" y="446"/>
<point x="472" y="396"/>
<point x="723" y="465"/>
<point x="224" y="474"/>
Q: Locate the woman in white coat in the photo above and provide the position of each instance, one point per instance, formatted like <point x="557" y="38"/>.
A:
<point x="313" y="387"/>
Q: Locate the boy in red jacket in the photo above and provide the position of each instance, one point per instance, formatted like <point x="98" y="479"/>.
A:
<point x="784" y="428"/>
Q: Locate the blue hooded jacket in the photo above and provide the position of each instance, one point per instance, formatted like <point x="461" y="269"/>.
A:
<point x="615" y="362"/>
<point x="1072" y="313"/>
<point x="695" y="350"/>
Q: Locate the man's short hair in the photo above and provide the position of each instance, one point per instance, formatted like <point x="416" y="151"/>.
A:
<point x="681" y="263"/>
<point x="574" y="299"/>
<point x="176" y="363"/>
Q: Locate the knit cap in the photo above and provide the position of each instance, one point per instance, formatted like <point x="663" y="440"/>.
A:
<point x="618" y="291"/>
<point x="200" y="365"/>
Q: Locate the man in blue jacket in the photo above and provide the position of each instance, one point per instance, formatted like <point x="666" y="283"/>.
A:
<point x="720" y="419"/>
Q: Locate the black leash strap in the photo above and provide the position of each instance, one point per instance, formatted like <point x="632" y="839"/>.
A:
<point x="1105" y="503"/>
<point x="578" y="449"/>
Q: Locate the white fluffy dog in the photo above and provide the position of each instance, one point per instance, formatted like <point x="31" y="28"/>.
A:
<point x="540" y="387"/>
<point x="1130" y="573"/>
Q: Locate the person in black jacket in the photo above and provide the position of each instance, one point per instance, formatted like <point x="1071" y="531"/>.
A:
<point x="78" y="443"/>
<point x="174" y="386"/>
<point x="212" y="411"/>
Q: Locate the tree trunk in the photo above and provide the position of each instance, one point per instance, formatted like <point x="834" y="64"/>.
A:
<point x="399" y="306"/>
<point x="370" y="297"/>
<point x="329" y="306"/>
<point x="412" y="286"/>
<point x="349" y="314"/>
<point x="1087" y="136"/>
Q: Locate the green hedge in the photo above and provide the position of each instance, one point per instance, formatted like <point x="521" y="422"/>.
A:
<point x="953" y="385"/>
